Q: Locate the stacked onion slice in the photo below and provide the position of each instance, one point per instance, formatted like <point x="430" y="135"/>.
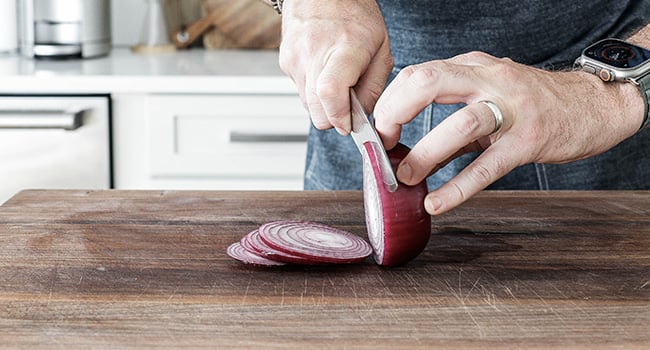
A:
<point x="299" y="242"/>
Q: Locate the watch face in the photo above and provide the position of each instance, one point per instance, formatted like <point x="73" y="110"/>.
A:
<point x="618" y="53"/>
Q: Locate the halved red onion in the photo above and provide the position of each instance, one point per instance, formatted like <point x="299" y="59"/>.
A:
<point x="314" y="241"/>
<point x="398" y="225"/>
<point x="255" y="245"/>
<point x="237" y="252"/>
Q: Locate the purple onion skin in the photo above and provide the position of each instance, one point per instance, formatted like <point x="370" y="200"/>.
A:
<point x="406" y="224"/>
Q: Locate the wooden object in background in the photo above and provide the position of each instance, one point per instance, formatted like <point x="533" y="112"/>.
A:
<point x="182" y="12"/>
<point x="241" y="24"/>
<point x="185" y="35"/>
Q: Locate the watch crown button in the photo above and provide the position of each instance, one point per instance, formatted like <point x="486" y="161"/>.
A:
<point x="605" y="75"/>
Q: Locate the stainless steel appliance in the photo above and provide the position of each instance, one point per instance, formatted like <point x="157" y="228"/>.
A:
<point x="64" y="28"/>
<point x="54" y="142"/>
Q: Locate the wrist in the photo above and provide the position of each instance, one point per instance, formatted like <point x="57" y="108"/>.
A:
<point x="275" y="4"/>
<point x="644" y="90"/>
<point x="620" y="102"/>
<point x="625" y="67"/>
<point x="638" y="103"/>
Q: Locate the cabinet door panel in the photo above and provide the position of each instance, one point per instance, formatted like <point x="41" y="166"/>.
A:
<point x="229" y="136"/>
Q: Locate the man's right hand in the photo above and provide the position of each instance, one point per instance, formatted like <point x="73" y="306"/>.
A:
<point x="330" y="46"/>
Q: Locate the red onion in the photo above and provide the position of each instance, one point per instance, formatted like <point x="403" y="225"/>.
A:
<point x="299" y="242"/>
<point x="236" y="251"/>
<point x="398" y="225"/>
<point x="316" y="242"/>
<point x="255" y="245"/>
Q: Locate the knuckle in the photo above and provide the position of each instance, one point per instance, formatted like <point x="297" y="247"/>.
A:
<point x="326" y="87"/>
<point x="481" y="174"/>
<point x="422" y="161"/>
<point x="506" y="69"/>
<point x="388" y="60"/>
<point x="382" y="110"/>
<point x="287" y="60"/>
<point x="469" y="123"/>
<point x="420" y="75"/>
<point x="476" y="56"/>
<point x="484" y="174"/>
<point x="460" y="193"/>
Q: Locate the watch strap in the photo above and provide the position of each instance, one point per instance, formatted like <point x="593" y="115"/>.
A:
<point x="644" y="87"/>
<point x="277" y="5"/>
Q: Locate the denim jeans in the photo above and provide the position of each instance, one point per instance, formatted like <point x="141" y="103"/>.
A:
<point x="334" y="162"/>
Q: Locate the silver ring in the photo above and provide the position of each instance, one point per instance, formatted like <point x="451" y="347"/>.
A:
<point x="498" y="116"/>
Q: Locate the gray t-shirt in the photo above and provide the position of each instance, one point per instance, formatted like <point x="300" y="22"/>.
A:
<point x="422" y="30"/>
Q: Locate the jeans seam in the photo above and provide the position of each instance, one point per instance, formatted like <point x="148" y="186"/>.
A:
<point x="542" y="179"/>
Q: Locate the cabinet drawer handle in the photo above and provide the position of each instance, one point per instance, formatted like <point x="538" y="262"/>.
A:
<point x="252" y="137"/>
<point x="41" y="119"/>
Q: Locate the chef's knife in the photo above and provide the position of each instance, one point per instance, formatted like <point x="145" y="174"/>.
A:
<point x="362" y="133"/>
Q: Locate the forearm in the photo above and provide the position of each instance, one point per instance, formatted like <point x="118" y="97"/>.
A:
<point x="641" y="37"/>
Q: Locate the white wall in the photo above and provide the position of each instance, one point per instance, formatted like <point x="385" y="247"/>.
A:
<point x="127" y="17"/>
<point x="126" y="21"/>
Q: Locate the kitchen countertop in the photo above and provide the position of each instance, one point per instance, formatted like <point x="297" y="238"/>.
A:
<point x="98" y="269"/>
<point x="122" y="71"/>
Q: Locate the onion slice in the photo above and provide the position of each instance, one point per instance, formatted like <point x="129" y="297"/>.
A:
<point x="315" y="242"/>
<point x="237" y="252"/>
<point x="398" y="225"/>
<point x="255" y="245"/>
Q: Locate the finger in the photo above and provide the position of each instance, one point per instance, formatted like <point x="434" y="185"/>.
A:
<point x="316" y="111"/>
<point x="373" y="81"/>
<point x="342" y="69"/>
<point x="416" y="87"/>
<point x="456" y="132"/>
<point x="471" y="148"/>
<point x="299" y="81"/>
<point x="293" y="67"/>
<point x="494" y="163"/>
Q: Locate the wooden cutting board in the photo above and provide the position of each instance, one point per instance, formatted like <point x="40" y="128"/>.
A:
<point x="148" y="269"/>
<point x="241" y="24"/>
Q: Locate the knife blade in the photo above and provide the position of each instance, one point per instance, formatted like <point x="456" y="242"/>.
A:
<point x="363" y="132"/>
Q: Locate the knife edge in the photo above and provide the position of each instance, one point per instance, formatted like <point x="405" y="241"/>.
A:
<point x="363" y="132"/>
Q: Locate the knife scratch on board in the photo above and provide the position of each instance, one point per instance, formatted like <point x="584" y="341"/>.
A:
<point x="248" y="286"/>
<point x="173" y="293"/>
<point x="55" y="273"/>
<point x="282" y="291"/>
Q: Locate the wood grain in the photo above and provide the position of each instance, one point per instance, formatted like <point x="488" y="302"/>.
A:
<point x="145" y="269"/>
<point x="241" y="24"/>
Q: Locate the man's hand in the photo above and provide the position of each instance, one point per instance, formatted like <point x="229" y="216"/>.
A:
<point x="330" y="46"/>
<point x="549" y="117"/>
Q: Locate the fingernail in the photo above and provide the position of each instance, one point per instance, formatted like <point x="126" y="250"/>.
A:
<point x="404" y="172"/>
<point x="433" y="204"/>
<point x="341" y="131"/>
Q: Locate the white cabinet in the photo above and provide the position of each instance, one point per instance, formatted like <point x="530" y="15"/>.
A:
<point x="192" y="119"/>
<point x="215" y="141"/>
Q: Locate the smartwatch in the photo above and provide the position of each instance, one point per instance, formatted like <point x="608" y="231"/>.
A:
<point x="617" y="60"/>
